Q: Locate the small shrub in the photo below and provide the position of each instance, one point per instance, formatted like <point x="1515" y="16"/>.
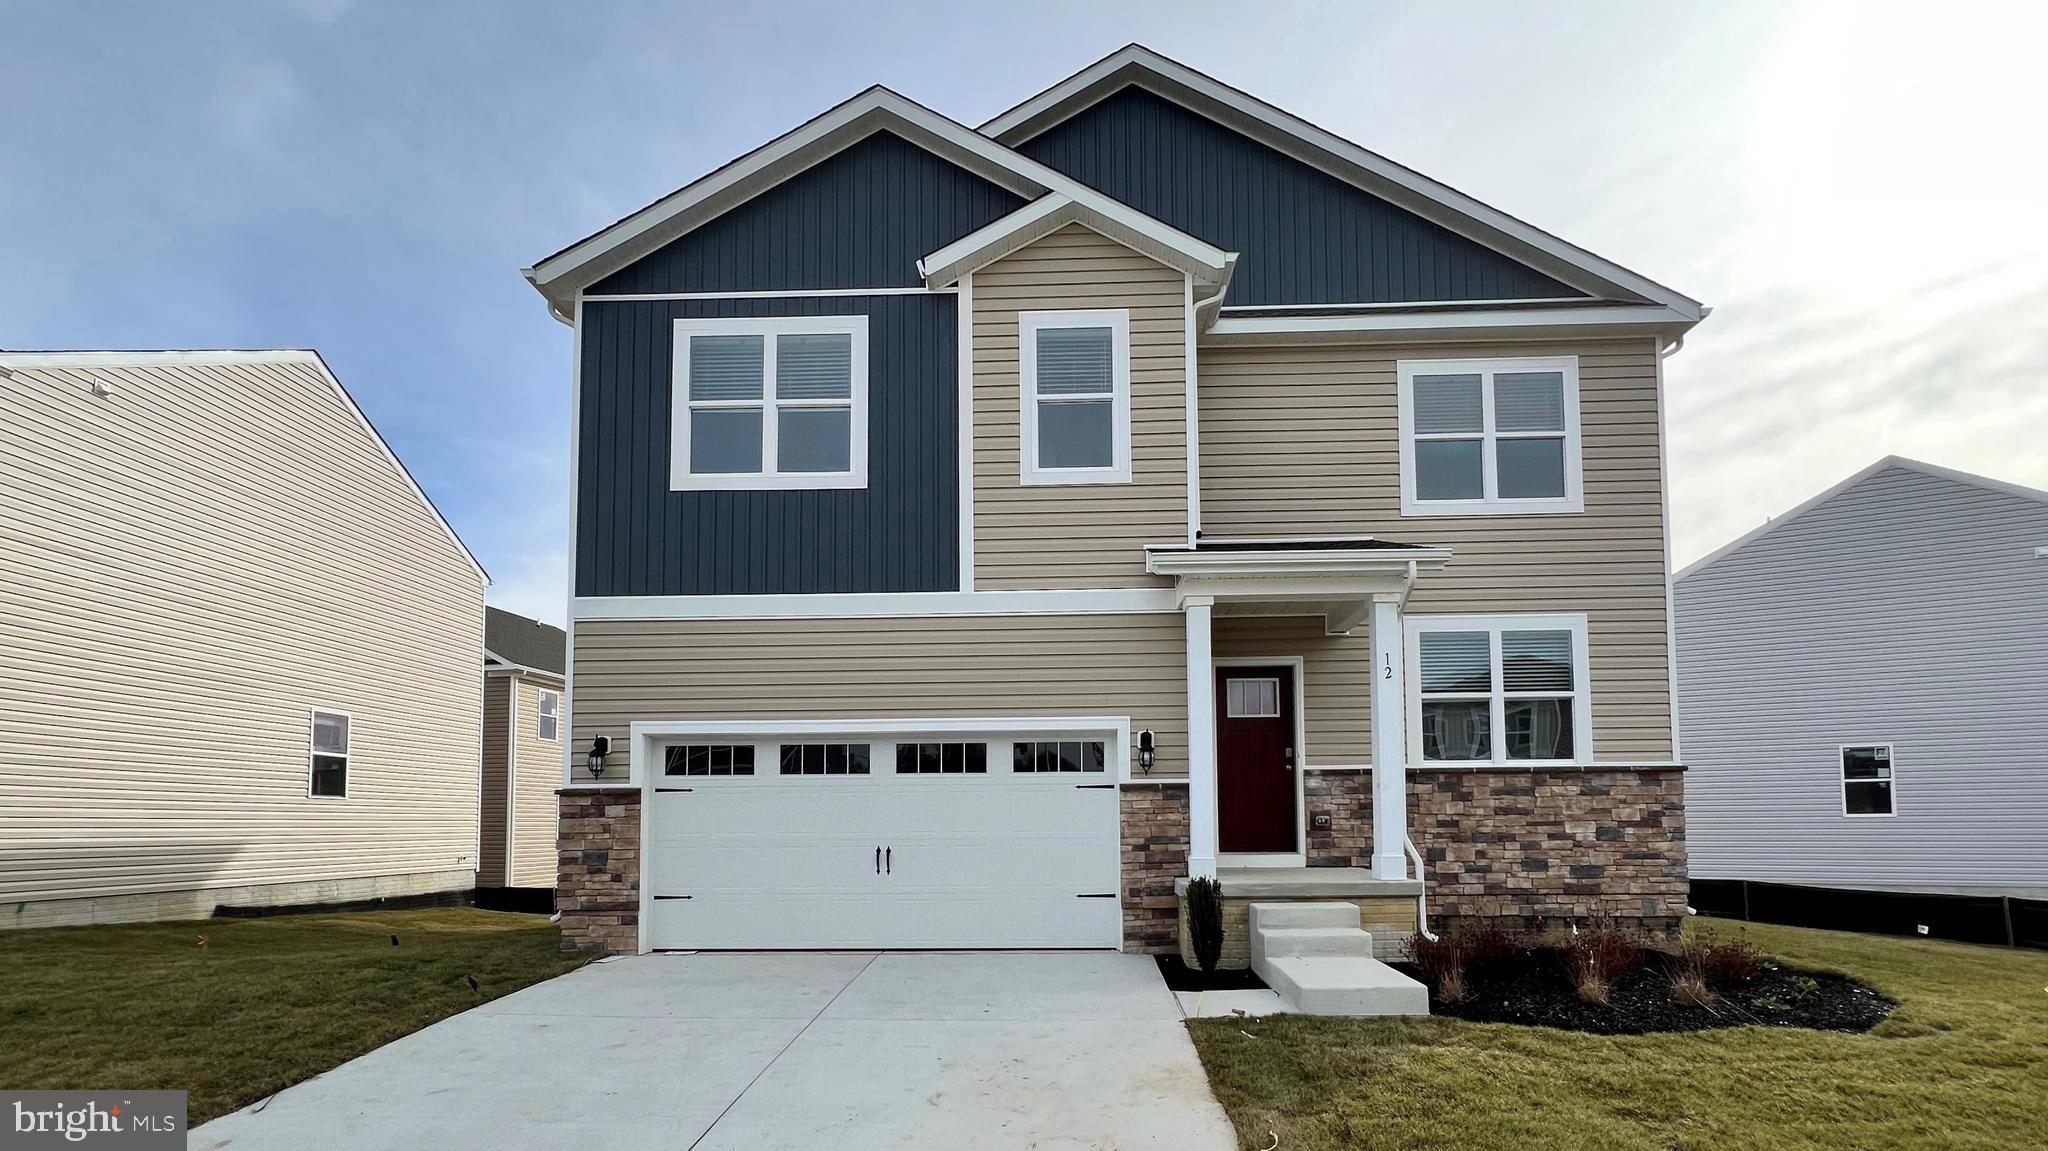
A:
<point x="1490" y="945"/>
<point x="1450" y="986"/>
<point x="1767" y="1003"/>
<point x="1205" y="921"/>
<point x="1729" y="964"/>
<point x="1596" y="959"/>
<point x="1441" y="962"/>
<point x="1589" y="984"/>
<point x="1802" y="988"/>
<point x="1690" y="988"/>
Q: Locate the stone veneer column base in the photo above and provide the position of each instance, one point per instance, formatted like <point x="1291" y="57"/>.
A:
<point x="1530" y="847"/>
<point x="597" y="881"/>
<point x="1154" y="819"/>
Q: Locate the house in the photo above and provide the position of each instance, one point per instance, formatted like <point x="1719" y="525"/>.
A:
<point x="979" y="532"/>
<point x="1865" y="705"/>
<point x="239" y="660"/>
<point x="522" y="758"/>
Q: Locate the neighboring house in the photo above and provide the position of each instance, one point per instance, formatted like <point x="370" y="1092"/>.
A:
<point x="522" y="751"/>
<point x="1864" y="689"/>
<point x="978" y="532"/>
<point x="238" y="646"/>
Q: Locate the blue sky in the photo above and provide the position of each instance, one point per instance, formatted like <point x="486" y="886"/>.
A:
<point x="1855" y="189"/>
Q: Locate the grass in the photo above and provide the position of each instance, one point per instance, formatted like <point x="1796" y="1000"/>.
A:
<point x="264" y="1004"/>
<point x="1962" y="1063"/>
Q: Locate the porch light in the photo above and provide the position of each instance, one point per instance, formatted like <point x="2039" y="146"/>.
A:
<point x="599" y="748"/>
<point x="1146" y="751"/>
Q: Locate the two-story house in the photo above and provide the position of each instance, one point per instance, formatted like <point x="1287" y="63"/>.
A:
<point x="980" y="531"/>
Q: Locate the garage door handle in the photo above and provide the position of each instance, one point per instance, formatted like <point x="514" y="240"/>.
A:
<point x="889" y="861"/>
<point x="878" y="861"/>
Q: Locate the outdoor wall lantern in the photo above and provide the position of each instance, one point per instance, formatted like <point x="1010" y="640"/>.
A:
<point x="599" y="748"/>
<point x="1147" y="751"/>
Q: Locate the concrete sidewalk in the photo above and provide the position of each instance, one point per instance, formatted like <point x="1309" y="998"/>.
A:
<point x="775" y="1050"/>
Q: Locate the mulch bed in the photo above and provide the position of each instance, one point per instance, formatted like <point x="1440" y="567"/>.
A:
<point x="1537" y="992"/>
<point x="1180" y="977"/>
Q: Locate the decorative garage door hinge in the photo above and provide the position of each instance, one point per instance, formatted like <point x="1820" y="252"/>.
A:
<point x="1096" y="895"/>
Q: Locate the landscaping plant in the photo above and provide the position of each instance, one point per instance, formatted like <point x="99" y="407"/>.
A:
<point x="1595" y="959"/>
<point x="1205" y="922"/>
<point x="1442" y="964"/>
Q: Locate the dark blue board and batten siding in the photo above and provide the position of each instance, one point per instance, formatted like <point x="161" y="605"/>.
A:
<point x="859" y="219"/>
<point x="1303" y="236"/>
<point x="635" y="537"/>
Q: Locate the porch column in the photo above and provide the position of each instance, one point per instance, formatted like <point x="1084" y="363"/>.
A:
<point x="1201" y="740"/>
<point x="1389" y="743"/>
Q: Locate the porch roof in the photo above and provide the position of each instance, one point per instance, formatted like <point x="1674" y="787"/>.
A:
<point x="1337" y="578"/>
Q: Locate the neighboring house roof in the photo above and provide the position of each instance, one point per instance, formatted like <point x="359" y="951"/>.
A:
<point x="560" y="276"/>
<point x="1293" y="136"/>
<point x="175" y="358"/>
<point x="1983" y="482"/>
<point x="516" y="641"/>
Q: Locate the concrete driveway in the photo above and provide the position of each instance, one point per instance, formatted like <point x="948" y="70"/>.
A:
<point x="753" y="1051"/>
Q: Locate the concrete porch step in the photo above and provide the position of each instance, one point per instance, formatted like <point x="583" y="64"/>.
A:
<point x="1268" y="916"/>
<point x="1343" y="986"/>
<point x="1307" y="942"/>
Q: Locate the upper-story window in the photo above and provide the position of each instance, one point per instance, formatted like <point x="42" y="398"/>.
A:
<point x="1490" y="437"/>
<point x="1075" y="371"/>
<point x="548" y="717"/>
<point x="770" y="403"/>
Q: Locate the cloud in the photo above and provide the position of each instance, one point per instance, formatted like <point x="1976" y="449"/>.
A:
<point x="251" y="103"/>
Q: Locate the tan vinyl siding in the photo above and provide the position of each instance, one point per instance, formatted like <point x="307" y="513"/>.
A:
<point x="498" y="691"/>
<point x="1336" y="680"/>
<point x="539" y="774"/>
<point x="876" y="668"/>
<point x="1078" y="536"/>
<point x="1303" y="441"/>
<point x="188" y="568"/>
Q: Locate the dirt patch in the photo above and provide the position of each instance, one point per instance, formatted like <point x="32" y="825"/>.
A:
<point x="1180" y="977"/>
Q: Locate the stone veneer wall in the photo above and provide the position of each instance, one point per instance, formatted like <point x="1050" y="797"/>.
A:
<point x="597" y="880"/>
<point x="1532" y="846"/>
<point x="1155" y="853"/>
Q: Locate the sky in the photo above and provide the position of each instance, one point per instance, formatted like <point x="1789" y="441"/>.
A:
<point x="1856" y="190"/>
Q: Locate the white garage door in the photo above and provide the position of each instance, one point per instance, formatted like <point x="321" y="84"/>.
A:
<point x="947" y="841"/>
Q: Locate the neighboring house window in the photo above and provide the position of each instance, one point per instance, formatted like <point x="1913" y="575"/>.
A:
<point x="548" y="717"/>
<point x="1075" y="374"/>
<point x="1490" y="437"/>
<point x="941" y="759"/>
<point x="1058" y="755"/>
<point x="1867" y="779"/>
<point x="709" y="759"/>
<point x="824" y="759"/>
<point x="1499" y="689"/>
<point x="329" y="756"/>
<point x="770" y="403"/>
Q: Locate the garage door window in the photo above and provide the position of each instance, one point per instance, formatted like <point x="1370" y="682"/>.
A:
<point x="941" y="759"/>
<point x="824" y="759"/>
<point x="1058" y="755"/>
<point x="710" y="759"/>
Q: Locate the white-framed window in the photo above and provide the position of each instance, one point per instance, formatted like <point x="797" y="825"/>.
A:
<point x="1490" y="437"/>
<point x="547" y="718"/>
<point x="1498" y="689"/>
<point x="1867" y="779"/>
<point x="770" y="403"/>
<point x="1257" y="697"/>
<point x="327" y="756"/>
<point x="1075" y="374"/>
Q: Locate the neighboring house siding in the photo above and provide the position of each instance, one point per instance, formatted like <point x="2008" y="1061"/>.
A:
<point x="1304" y="441"/>
<point x="880" y="667"/>
<point x="858" y="219"/>
<point x="1336" y="680"/>
<point x="1305" y="237"/>
<point x="187" y="569"/>
<point x="490" y="870"/>
<point x="1908" y="609"/>
<point x="1081" y="535"/>
<point x="538" y="774"/>
<point x="900" y="533"/>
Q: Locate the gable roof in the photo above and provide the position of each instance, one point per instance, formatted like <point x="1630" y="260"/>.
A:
<point x="1295" y="137"/>
<point x="192" y="358"/>
<point x="1984" y="483"/>
<point x="1051" y="212"/>
<point x="516" y="641"/>
<point x="560" y="276"/>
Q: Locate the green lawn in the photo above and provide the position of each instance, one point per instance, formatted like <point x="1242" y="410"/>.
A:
<point x="264" y="1004"/>
<point x="1962" y="1063"/>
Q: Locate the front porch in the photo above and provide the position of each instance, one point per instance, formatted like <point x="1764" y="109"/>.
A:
<point x="1387" y="908"/>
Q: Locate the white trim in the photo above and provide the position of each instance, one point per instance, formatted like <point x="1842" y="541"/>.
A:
<point x="1391" y="677"/>
<point x="569" y="608"/>
<point x="1194" y="422"/>
<point x="540" y="709"/>
<point x="1494" y="624"/>
<point x="1518" y="323"/>
<point x="964" y="431"/>
<point x="1292" y="561"/>
<point x="1842" y="779"/>
<point x="770" y="405"/>
<point x="776" y="294"/>
<point x="1042" y="217"/>
<point x="1670" y="578"/>
<point x="1201" y="687"/>
<point x="511" y="776"/>
<point x="1029" y="324"/>
<point x="883" y="604"/>
<point x="1340" y="157"/>
<point x="1400" y="305"/>
<point x="1298" y="666"/>
<point x="348" y="744"/>
<point x="1770" y="525"/>
<point x="1491" y="503"/>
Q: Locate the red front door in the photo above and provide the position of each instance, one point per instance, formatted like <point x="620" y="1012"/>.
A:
<point x="1255" y="759"/>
